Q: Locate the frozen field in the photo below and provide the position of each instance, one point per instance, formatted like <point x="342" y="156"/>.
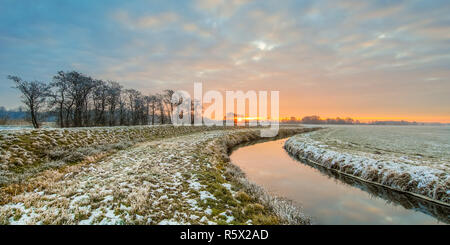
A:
<point x="14" y="127"/>
<point x="430" y="144"/>
<point x="415" y="159"/>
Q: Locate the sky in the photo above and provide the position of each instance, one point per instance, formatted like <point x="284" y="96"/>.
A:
<point x="362" y="59"/>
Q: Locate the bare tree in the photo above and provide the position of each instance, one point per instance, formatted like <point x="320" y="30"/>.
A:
<point x="160" y="101"/>
<point x="99" y="98"/>
<point x="4" y="116"/>
<point x="80" y="87"/>
<point x="114" y="92"/>
<point x="148" y="102"/>
<point x="59" y="97"/>
<point x="167" y="98"/>
<point x="79" y="100"/>
<point x="153" y="104"/>
<point x="34" y="95"/>
<point x="122" y="111"/>
<point x="195" y="106"/>
<point x="134" y="105"/>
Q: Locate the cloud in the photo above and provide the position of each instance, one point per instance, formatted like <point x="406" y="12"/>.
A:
<point x="145" y="22"/>
<point x="323" y="55"/>
<point x="221" y="8"/>
<point x="197" y="30"/>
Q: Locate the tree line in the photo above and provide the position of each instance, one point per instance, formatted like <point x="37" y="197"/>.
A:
<point x="78" y="100"/>
<point x="351" y="121"/>
<point x="318" y="120"/>
<point x="7" y="116"/>
<point x="337" y="120"/>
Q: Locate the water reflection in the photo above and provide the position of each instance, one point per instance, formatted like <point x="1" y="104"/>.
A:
<point x="330" y="197"/>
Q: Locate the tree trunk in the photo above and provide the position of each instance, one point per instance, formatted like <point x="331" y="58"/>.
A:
<point x="162" y="113"/>
<point x="61" y="116"/>
<point x="33" y="117"/>
<point x="153" y="114"/>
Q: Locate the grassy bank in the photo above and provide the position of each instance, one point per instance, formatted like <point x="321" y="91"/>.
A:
<point x="185" y="179"/>
<point x="24" y="153"/>
<point x="393" y="169"/>
<point x="281" y="211"/>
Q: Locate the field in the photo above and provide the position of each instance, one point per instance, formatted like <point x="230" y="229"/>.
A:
<point x="26" y="152"/>
<point x="417" y="143"/>
<point x="164" y="175"/>
<point x="14" y="127"/>
<point x="414" y="159"/>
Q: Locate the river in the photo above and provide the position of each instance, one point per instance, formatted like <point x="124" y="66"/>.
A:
<point x="327" y="196"/>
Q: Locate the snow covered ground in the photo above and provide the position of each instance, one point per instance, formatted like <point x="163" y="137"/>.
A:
<point x="177" y="180"/>
<point x="14" y="127"/>
<point x="26" y="152"/>
<point x="412" y="159"/>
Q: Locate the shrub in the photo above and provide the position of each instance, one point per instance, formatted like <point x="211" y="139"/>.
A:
<point x="74" y="156"/>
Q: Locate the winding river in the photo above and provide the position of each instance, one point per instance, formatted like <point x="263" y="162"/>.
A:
<point x="327" y="196"/>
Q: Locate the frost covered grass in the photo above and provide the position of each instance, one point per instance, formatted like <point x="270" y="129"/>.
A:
<point x="186" y="179"/>
<point x="285" y="211"/>
<point x="23" y="153"/>
<point x="428" y="145"/>
<point x="360" y="152"/>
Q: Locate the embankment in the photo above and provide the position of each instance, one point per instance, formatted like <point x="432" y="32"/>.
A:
<point x="422" y="181"/>
<point x="24" y="153"/>
<point x="184" y="179"/>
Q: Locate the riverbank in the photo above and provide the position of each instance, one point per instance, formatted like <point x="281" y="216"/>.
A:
<point x="392" y="168"/>
<point x="27" y="152"/>
<point x="328" y="197"/>
<point x="185" y="179"/>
